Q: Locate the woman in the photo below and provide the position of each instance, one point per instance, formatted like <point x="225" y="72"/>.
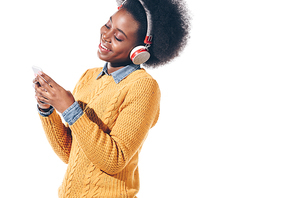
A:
<point x="111" y="109"/>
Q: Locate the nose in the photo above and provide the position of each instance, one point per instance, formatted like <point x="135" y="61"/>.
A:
<point x="106" y="38"/>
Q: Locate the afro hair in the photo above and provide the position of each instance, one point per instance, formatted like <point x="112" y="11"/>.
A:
<point x="171" y="26"/>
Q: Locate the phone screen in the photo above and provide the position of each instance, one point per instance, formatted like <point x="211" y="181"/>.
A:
<point x="36" y="69"/>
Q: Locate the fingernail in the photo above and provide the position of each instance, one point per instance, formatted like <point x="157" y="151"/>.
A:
<point x="39" y="72"/>
<point x="35" y="75"/>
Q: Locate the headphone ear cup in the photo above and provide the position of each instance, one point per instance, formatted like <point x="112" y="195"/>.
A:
<point x="139" y="55"/>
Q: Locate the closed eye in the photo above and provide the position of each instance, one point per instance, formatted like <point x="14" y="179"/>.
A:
<point x="117" y="39"/>
<point x="108" y="26"/>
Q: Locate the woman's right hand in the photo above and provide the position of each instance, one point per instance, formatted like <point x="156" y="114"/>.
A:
<point x="41" y="105"/>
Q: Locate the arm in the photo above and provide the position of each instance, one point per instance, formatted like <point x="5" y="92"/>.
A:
<point x="137" y="114"/>
<point x="58" y="135"/>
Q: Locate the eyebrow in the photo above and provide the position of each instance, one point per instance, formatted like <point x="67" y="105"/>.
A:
<point x="119" y="29"/>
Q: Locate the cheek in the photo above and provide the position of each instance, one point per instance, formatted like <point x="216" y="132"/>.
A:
<point x="123" y="49"/>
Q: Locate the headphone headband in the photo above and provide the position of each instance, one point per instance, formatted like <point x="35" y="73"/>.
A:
<point x="148" y="38"/>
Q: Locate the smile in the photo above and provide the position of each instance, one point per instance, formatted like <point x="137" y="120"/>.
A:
<point x="104" y="48"/>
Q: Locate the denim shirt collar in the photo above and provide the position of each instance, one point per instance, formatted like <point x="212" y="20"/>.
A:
<point x="120" y="74"/>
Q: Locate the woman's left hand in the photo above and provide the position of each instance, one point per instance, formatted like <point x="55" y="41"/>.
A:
<point x="51" y="93"/>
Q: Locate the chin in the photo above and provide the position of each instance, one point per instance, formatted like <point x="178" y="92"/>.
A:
<point x="114" y="61"/>
<point x="101" y="57"/>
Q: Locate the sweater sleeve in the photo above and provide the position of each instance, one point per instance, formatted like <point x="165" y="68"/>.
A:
<point x="111" y="152"/>
<point x="58" y="135"/>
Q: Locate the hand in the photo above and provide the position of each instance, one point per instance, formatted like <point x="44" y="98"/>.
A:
<point x="50" y="93"/>
<point x="36" y="85"/>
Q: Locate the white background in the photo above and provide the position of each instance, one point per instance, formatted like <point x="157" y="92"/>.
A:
<point x="227" y="124"/>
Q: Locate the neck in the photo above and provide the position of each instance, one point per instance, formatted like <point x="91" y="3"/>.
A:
<point x="113" y="67"/>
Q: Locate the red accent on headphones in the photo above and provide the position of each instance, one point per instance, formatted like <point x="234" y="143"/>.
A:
<point x="148" y="40"/>
<point x="138" y="52"/>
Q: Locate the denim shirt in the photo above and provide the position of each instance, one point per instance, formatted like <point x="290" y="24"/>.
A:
<point x="120" y="74"/>
<point x="74" y="112"/>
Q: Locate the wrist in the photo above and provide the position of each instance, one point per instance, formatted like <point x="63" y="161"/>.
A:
<point x="45" y="112"/>
<point x="44" y="109"/>
<point x="73" y="113"/>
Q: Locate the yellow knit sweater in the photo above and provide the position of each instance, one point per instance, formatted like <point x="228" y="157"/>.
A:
<point x="101" y="148"/>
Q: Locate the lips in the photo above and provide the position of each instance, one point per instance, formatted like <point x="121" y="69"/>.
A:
<point x="104" y="48"/>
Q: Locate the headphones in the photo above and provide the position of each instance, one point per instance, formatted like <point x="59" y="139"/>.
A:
<point x="140" y="54"/>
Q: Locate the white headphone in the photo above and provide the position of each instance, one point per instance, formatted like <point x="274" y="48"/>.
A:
<point x="140" y="54"/>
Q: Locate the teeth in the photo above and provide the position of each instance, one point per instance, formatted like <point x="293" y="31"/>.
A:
<point x="105" y="47"/>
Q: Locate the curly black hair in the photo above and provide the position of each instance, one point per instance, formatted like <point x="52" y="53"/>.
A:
<point x="171" y="26"/>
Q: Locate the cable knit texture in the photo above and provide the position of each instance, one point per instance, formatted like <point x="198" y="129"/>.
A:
<point x="102" y="147"/>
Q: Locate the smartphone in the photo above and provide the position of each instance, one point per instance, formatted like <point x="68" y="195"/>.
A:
<point x="36" y="70"/>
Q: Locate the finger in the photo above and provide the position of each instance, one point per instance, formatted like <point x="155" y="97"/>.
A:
<point x="40" y="89"/>
<point x="41" y="92"/>
<point x="36" y="84"/>
<point x="44" y="83"/>
<point x="41" y="100"/>
<point x="46" y="78"/>
<point x="42" y="95"/>
<point x="35" y="80"/>
<point x="37" y="87"/>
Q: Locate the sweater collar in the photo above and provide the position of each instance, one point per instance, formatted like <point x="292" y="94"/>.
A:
<point x="120" y="74"/>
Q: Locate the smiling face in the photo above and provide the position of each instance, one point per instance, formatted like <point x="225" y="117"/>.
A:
<point x="118" y="38"/>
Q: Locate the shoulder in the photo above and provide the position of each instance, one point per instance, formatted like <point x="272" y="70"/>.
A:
<point x="140" y="75"/>
<point x="93" y="72"/>
<point x="86" y="77"/>
<point x="90" y="73"/>
<point x="142" y="82"/>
